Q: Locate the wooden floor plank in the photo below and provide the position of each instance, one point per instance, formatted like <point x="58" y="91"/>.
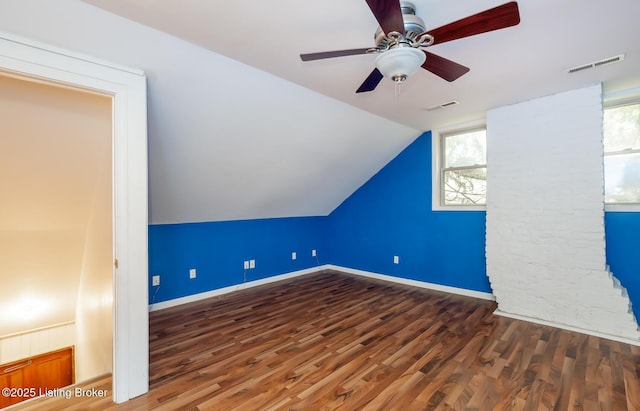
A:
<point x="332" y="341"/>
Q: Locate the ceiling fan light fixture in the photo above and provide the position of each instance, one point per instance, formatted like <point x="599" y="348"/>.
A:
<point x="399" y="63"/>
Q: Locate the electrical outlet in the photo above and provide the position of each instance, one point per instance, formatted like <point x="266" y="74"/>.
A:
<point x="396" y="259"/>
<point x="246" y="265"/>
<point x="155" y="280"/>
<point x="313" y="253"/>
<point x="252" y="264"/>
<point x="192" y="273"/>
<point x="294" y="255"/>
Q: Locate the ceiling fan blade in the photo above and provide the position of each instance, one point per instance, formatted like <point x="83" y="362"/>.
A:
<point x="331" y="54"/>
<point x="496" y="18"/>
<point x="389" y="15"/>
<point x="371" y="82"/>
<point x="443" y="68"/>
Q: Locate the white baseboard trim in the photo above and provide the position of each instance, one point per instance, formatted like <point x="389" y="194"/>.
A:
<point x="384" y="277"/>
<point x="414" y="283"/>
<point x="226" y="290"/>
<point x="220" y="291"/>
<point x="568" y="327"/>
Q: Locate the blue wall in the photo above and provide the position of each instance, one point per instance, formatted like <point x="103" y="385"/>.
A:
<point x="217" y="251"/>
<point x="391" y="215"/>
<point x="622" y="231"/>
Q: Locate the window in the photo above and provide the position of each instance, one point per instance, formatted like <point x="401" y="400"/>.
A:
<point x="621" y="135"/>
<point x="463" y="168"/>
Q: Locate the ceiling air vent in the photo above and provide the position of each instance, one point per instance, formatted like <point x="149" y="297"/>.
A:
<point x="603" y="62"/>
<point x="444" y="105"/>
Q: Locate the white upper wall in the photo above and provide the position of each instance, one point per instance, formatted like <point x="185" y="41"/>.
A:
<point x="226" y="141"/>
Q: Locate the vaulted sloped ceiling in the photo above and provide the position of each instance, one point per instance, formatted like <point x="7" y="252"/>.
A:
<point x="226" y="141"/>
<point x="240" y="128"/>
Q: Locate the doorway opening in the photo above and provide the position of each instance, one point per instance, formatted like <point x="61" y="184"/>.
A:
<point x="127" y="294"/>
<point x="56" y="225"/>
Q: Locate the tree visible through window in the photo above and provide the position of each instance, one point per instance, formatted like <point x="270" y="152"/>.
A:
<point x="464" y="168"/>
<point x="621" y="134"/>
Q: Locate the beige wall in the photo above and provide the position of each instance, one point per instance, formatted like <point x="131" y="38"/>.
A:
<point x="94" y="317"/>
<point x="55" y="214"/>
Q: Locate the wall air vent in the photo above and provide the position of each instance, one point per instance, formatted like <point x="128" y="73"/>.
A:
<point x="603" y="62"/>
<point x="444" y="105"/>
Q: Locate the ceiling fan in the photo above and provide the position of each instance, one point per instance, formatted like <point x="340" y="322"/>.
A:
<point x="402" y="35"/>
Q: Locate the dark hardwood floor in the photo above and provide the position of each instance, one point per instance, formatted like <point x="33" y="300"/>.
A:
<point x="331" y="341"/>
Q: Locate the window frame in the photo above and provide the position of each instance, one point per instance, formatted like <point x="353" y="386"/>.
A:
<point x="437" y="161"/>
<point x="620" y="99"/>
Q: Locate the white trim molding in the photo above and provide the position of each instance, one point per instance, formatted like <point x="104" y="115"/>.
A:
<point x="622" y="208"/>
<point x="326" y="267"/>
<point x="415" y="283"/>
<point x="567" y="327"/>
<point x="232" y="288"/>
<point x="383" y="277"/>
<point x="35" y="61"/>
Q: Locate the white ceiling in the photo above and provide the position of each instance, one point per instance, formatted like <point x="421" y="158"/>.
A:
<point x="507" y="66"/>
<point x="240" y="128"/>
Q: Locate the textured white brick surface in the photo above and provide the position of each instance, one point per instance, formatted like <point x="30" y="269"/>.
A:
<point x="545" y="214"/>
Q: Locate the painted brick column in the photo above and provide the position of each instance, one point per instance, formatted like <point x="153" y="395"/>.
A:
<point x="545" y="215"/>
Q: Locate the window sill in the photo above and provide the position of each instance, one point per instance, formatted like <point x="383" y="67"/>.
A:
<point x="438" y="207"/>
<point x="622" y="208"/>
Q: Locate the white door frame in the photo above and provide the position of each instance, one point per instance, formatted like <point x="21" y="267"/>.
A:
<point x="40" y="62"/>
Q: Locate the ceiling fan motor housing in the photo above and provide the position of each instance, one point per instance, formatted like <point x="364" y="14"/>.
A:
<point x="413" y="26"/>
